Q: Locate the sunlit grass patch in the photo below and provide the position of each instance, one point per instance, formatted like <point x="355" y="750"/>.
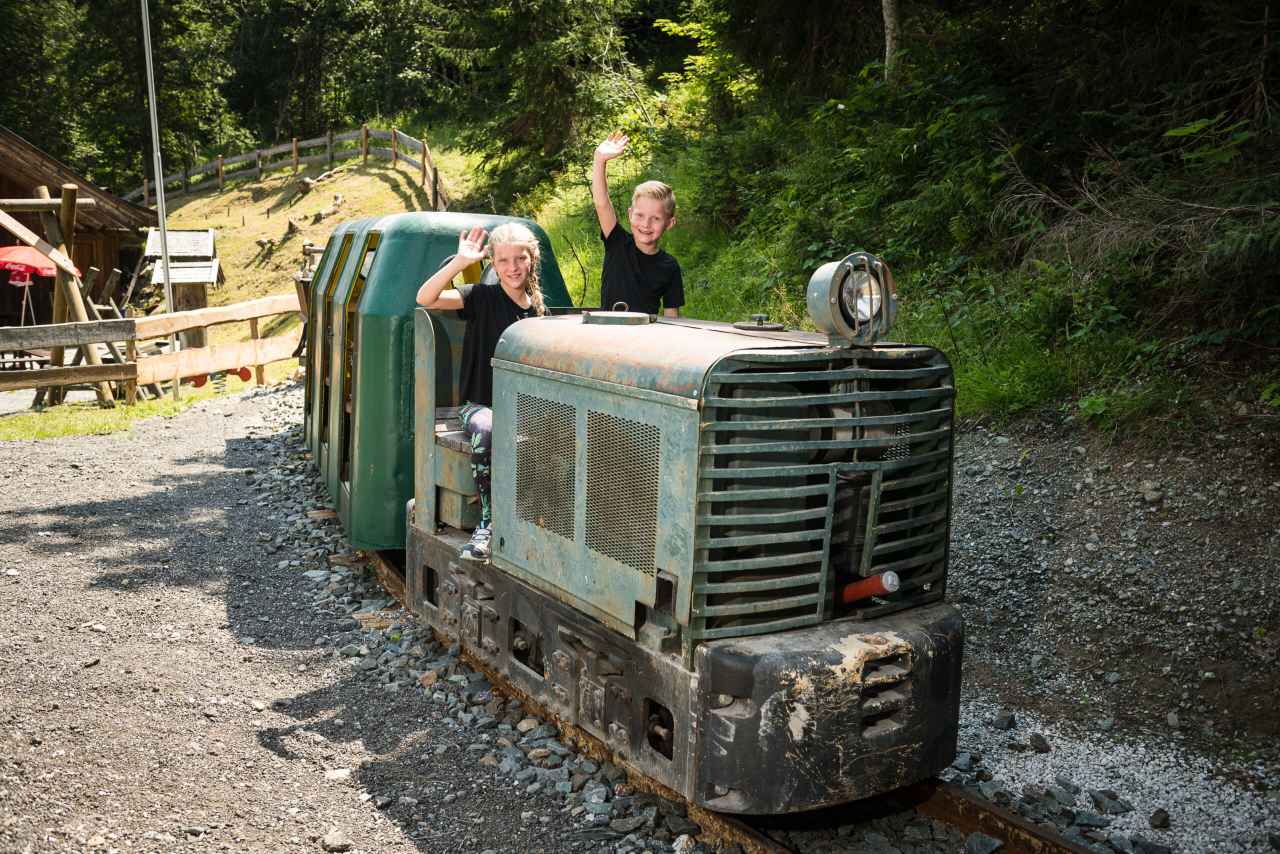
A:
<point x="86" y="418"/>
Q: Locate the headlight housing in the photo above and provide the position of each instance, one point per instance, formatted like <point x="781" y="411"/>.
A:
<point x="853" y="300"/>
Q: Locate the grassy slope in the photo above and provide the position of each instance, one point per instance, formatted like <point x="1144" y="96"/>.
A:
<point x="243" y="213"/>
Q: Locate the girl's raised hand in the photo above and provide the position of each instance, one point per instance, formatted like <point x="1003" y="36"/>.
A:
<point x="614" y="144"/>
<point x="471" y="246"/>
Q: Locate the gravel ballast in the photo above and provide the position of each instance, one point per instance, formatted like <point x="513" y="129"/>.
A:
<point x="194" y="660"/>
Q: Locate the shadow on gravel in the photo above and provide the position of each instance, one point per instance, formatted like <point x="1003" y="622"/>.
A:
<point x="164" y="537"/>
<point x="195" y="525"/>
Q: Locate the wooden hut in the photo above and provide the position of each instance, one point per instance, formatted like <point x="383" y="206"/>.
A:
<point x="109" y="234"/>
<point x="194" y="267"/>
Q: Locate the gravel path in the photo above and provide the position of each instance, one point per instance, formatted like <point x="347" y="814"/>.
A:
<point x="192" y="661"/>
<point x="165" y="685"/>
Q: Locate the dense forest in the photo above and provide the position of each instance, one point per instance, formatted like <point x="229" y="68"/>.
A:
<point x="1082" y="196"/>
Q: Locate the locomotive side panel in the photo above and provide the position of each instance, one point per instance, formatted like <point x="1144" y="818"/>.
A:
<point x="594" y="484"/>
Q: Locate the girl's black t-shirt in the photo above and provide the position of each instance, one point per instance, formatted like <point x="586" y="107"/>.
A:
<point x="488" y="312"/>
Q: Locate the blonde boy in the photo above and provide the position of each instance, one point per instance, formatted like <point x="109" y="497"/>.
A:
<point x="637" y="274"/>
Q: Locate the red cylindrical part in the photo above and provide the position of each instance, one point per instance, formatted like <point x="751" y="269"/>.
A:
<point x="876" y="585"/>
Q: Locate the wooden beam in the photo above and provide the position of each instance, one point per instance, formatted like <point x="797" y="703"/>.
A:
<point x="109" y="287"/>
<point x="166" y="324"/>
<point x="258" y="372"/>
<point x="13" y="380"/>
<point x="216" y="357"/>
<point x="131" y="356"/>
<point x="57" y="357"/>
<point x="29" y="237"/>
<point x="137" y="271"/>
<point x="65" y="334"/>
<point x="42" y="205"/>
<point x="63" y="232"/>
<point x="67" y="219"/>
<point x="85" y="291"/>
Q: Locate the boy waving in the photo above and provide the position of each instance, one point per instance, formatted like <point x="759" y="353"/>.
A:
<point x="636" y="272"/>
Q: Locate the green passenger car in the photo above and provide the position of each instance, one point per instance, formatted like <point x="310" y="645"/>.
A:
<point x="360" y="360"/>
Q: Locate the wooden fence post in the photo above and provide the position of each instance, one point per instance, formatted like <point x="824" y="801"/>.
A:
<point x="259" y="373"/>
<point x="435" y="189"/>
<point x="146" y="196"/>
<point x="57" y="355"/>
<point x="295" y="155"/>
<point x="61" y="233"/>
<point x="131" y="356"/>
<point x="186" y="180"/>
<point x="394" y="152"/>
<point x="423" y="155"/>
<point x="329" y="146"/>
<point x="220" y="172"/>
<point x="258" y="155"/>
<point x="364" y="143"/>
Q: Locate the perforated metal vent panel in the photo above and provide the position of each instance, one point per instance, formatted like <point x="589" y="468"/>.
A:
<point x="623" y="465"/>
<point x="546" y="463"/>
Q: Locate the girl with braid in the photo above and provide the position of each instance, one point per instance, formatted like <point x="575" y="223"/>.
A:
<point x="488" y="311"/>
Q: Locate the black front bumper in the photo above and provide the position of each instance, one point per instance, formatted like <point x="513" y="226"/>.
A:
<point x="820" y="716"/>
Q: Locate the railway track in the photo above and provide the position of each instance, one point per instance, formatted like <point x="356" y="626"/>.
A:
<point x="943" y="802"/>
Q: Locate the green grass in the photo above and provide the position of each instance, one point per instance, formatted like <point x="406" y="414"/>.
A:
<point x="88" y="419"/>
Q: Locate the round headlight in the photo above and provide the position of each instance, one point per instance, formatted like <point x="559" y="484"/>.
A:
<point x="853" y="300"/>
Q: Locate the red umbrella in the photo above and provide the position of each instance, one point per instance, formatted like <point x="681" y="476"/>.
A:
<point x="24" y="259"/>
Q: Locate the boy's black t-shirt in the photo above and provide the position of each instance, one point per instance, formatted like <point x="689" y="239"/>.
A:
<point x="488" y="312"/>
<point x="643" y="282"/>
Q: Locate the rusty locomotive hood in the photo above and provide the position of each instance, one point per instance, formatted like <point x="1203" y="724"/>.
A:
<point x="671" y="356"/>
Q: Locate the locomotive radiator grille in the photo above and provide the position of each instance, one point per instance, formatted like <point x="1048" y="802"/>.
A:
<point x="546" y="464"/>
<point x="819" y="467"/>
<point x="908" y="512"/>
<point x="623" y="473"/>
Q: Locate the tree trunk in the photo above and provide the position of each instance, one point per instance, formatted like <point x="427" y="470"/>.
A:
<point x="890" y="8"/>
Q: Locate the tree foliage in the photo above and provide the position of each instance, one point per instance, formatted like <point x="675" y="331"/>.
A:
<point x="1075" y="163"/>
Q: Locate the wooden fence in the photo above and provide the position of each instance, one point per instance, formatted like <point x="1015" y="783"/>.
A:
<point x="139" y="369"/>
<point x="330" y="149"/>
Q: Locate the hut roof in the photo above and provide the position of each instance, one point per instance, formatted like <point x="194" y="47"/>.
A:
<point x="27" y="166"/>
<point x="190" y="272"/>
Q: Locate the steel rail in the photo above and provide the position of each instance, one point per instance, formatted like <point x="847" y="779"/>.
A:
<point x="944" y="802"/>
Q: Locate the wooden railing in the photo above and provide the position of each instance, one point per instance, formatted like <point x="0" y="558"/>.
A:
<point x="332" y="148"/>
<point x="138" y="369"/>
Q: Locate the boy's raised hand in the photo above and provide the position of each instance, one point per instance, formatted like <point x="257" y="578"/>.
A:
<point x="614" y="145"/>
<point x="471" y="246"/>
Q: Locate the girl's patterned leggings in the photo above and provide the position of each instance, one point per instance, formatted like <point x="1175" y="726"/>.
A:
<point x="477" y="421"/>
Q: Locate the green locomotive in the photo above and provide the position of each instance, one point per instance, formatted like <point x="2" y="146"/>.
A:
<point x="720" y="549"/>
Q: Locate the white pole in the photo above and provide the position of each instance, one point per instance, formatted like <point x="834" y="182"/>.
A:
<point x="159" y="170"/>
